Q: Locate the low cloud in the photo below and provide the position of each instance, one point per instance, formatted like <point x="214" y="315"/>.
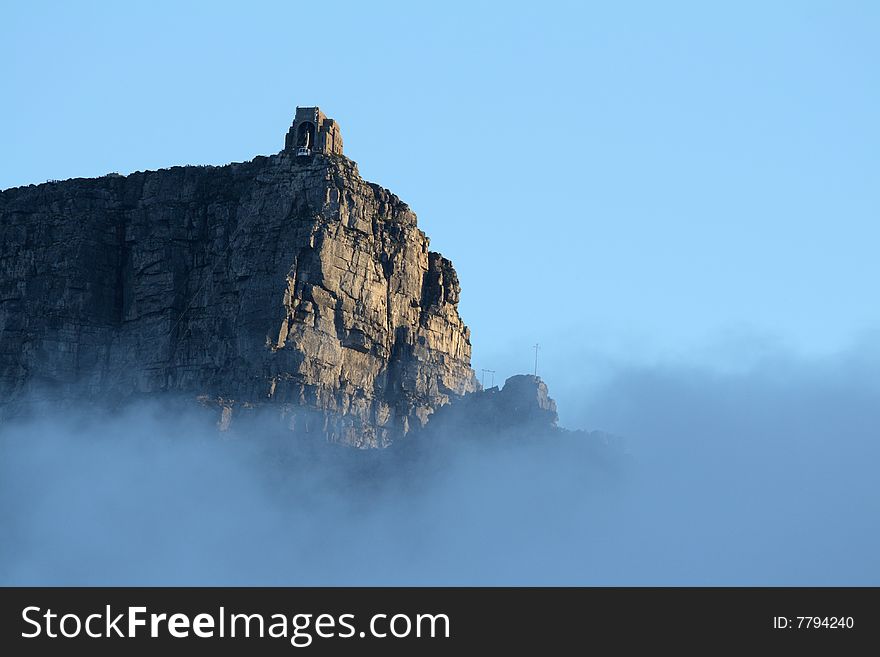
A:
<point x="760" y="477"/>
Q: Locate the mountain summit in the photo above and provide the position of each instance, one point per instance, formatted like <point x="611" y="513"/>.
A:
<point x="286" y="280"/>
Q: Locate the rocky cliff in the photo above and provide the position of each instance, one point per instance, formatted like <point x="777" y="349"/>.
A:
<point x="287" y="280"/>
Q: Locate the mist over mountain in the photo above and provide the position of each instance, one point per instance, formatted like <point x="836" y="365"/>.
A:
<point x="760" y="478"/>
<point x="257" y="374"/>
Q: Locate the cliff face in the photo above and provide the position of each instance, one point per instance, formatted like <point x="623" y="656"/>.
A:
<point x="286" y="280"/>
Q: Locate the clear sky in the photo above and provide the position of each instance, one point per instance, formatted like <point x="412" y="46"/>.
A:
<point x="617" y="181"/>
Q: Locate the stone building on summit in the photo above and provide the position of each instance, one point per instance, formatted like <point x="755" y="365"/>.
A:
<point x="312" y="132"/>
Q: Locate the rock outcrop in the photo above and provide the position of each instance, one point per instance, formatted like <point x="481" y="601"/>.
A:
<point x="522" y="407"/>
<point x="285" y="280"/>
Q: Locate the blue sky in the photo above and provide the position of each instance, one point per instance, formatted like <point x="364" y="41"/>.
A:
<point x="621" y="182"/>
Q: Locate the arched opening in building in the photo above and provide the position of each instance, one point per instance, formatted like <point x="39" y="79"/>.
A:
<point x="305" y="135"/>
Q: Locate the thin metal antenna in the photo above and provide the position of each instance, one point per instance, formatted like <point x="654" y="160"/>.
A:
<point x="537" y="346"/>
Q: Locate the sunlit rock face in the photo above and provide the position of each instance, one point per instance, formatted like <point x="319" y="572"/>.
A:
<point x="287" y="281"/>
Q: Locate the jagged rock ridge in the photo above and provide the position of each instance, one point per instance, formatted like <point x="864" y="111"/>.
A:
<point x="287" y="280"/>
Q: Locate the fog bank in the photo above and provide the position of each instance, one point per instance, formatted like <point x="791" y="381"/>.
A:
<point x="759" y="477"/>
